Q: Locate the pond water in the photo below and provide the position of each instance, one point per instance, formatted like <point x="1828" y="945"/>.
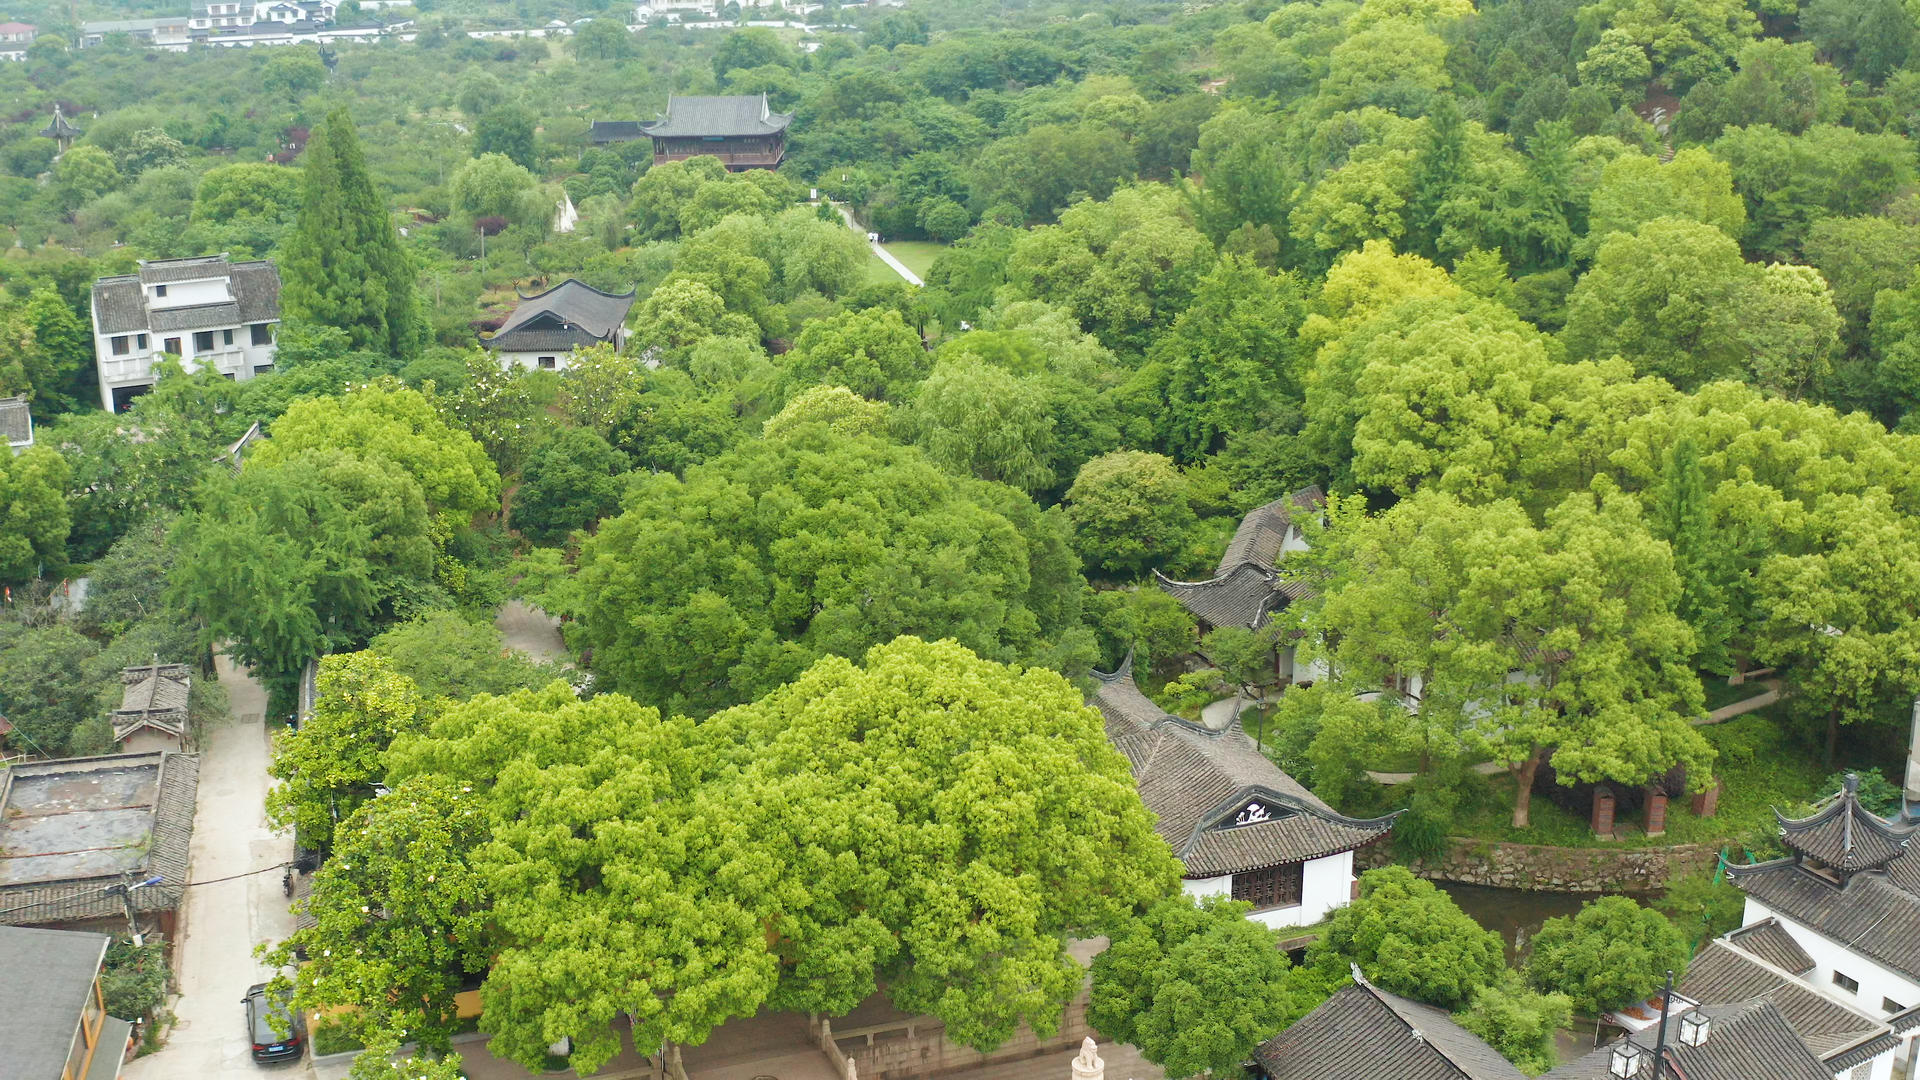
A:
<point x="1516" y="915"/>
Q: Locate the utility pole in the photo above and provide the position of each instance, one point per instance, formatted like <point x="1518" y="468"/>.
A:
<point x="126" y="888"/>
<point x="1660" y="1043"/>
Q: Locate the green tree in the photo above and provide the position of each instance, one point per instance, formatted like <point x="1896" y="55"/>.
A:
<point x="1793" y="330"/>
<point x="492" y="185"/>
<point x="83" y="174"/>
<point x="342" y="265"/>
<point x="389" y="423"/>
<point x="1143" y="621"/>
<point x="874" y="353"/>
<point x="1673" y="299"/>
<point x="149" y="149"/>
<point x="1635" y="189"/>
<point x="1130" y="512"/>
<point x="1610" y="955"/>
<point x="1679" y="513"/>
<point x="247" y="189"/>
<point x="507" y="130"/>
<point x="293" y="72"/>
<point x="47" y="690"/>
<point x="605" y="39"/>
<point x="33" y="514"/>
<point x="478" y="92"/>
<point x="1410" y="938"/>
<point x="361" y="703"/>
<point x="406" y="855"/>
<point x="709" y="590"/>
<point x="300" y="556"/>
<point x="447" y="656"/>
<point x="570" y="482"/>
<point x="840" y="409"/>
<point x="1520" y="1023"/>
<point x="61" y="379"/>
<point x="1687" y="40"/>
<point x="980" y="419"/>
<point x="750" y="48"/>
<point x="1230" y="357"/>
<point x="1195" y="986"/>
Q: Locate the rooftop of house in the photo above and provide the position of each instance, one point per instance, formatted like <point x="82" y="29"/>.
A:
<point x="46" y="977"/>
<point x="610" y="131"/>
<point x="1744" y="1041"/>
<point x="16" y="421"/>
<point x="1852" y="878"/>
<point x="153" y="695"/>
<point x="1839" y="1035"/>
<point x="120" y="303"/>
<point x="693" y="117"/>
<point x="69" y="828"/>
<point x="1246" y="587"/>
<point x="1363" y="1031"/>
<point x="569" y="315"/>
<point x="1220" y="804"/>
<point x="17" y="28"/>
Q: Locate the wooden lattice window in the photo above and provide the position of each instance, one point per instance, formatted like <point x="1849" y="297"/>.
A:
<point x="1271" y="886"/>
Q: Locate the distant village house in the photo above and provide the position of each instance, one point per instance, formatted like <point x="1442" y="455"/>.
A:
<point x="547" y="327"/>
<point x="16" y="423"/>
<point x="14" y="39"/>
<point x="153" y="708"/>
<point x="212" y="313"/>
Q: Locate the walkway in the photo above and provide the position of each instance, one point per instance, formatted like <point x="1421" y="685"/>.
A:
<point x="224" y="920"/>
<point x="1742" y="708"/>
<point x="885" y="255"/>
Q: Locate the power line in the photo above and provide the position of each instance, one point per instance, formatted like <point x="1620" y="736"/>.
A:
<point x="163" y="885"/>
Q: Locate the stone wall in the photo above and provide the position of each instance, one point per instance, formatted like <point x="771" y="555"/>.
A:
<point x="1551" y="869"/>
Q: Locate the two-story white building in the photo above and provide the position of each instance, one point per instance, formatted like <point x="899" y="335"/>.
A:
<point x="1844" y="910"/>
<point x="1240" y="825"/>
<point x="212" y="313"/>
<point x="14" y="39"/>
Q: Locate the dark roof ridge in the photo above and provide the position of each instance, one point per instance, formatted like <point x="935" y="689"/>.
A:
<point x="1219" y="576"/>
<point x="1390" y="1002"/>
<point x="628" y="295"/>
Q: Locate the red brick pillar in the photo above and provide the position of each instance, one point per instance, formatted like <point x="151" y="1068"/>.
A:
<point x="1656" y="813"/>
<point x="1707" y="803"/>
<point x="1603" y="813"/>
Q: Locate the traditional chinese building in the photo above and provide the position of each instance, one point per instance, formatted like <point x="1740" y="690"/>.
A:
<point x="547" y="327"/>
<point x="743" y="132"/>
<point x="1239" y="824"/>
<point x="1246" y="589"/>
<point x="153" y="708"/>
<point x="1363" y="1031"/>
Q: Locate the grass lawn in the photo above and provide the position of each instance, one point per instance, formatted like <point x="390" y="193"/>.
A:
<point x="879" y="273"/>
<point x="917" y="254"/>
<point x="1760" y="768"/>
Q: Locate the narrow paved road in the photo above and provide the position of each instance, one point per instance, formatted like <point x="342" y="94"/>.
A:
<point x="885" y="255"/>
<point x="214" y="961"/>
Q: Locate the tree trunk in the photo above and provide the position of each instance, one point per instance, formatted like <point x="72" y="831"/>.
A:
<point x="1523" y="788"/>
<point x="1833" y="735"/>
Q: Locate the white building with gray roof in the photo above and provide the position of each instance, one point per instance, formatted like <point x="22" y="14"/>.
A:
<point x="547" y="327"/>
<point x="16" y="423"/>
<point x="212" y="313"/>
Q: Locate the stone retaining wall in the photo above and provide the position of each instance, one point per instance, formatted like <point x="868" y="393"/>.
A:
<point x="1551" y="869"/>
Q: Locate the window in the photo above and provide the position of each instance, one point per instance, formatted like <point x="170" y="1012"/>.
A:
<point x="226" y="337"/>
<point x="120" y="345"/>
<point x="140" y="340"/>
<point x="202" y="341"/>
<point x="1887" y="1004"/>
<point x="159" y="290"/>
<point x="171" y="345"/>
<point x="261" y="334"/>
<point x="1851" y="986"/>
<point x="546" y="363"/>
<point x="263" y="369"/>
<point x="1271" y="887"/>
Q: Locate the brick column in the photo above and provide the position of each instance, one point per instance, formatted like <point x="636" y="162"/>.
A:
<point x="1603" y="813"/>
<point x="1656" y="813"/>
<point x="1707" y="803"/>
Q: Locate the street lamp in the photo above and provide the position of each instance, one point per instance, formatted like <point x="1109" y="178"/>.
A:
<point x="125" y="890"/>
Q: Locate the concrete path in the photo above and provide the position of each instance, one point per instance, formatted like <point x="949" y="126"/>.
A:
<point x="1742" y="708"/>
<point x="885" y="255"/>
<point x="531" y="631"/>
<point x="1215" y="716"/>
<point x="1485" y="768"/>
<point x="225" y="919"/>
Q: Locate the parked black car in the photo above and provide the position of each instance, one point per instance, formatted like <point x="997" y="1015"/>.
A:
<point x="269" y="1045"/>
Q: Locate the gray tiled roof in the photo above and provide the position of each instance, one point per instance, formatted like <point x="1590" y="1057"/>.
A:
<point x="169" y="835"/>
<point x="16" y="421"/>
<point x="1845" y="834"/>
<point x="1245" y="590"/>
<point x="1748" y="1041"/>
<point x="1196" y="780"/>
<point x="1365" y="1032"/>
<point x="1769" y="941"/>
<point x="154" y="695"/>
<point x="46" y="979"/>
<point x="610" y="131"/>
<point x="570" y="314"/>
<point x="689" y="117"/>
<point x="120" y="305"/>
<point x="1724" y="974"/>
<point x="1869" y="914"/>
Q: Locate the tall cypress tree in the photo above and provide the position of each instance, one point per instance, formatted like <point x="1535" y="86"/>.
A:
<point x="1681" y="517"/>
<point x="342" y="265"/>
